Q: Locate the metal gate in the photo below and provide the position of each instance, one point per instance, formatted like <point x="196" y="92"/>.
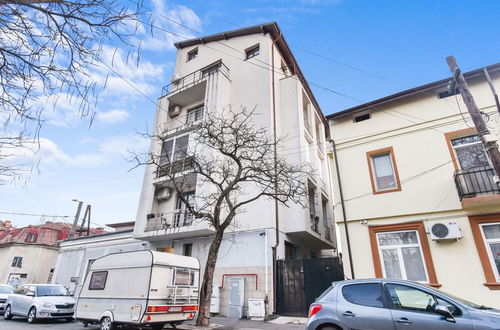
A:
<point x="301" y="281"/>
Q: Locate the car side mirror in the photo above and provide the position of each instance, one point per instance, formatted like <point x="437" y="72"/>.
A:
<point x="444" y="311"/>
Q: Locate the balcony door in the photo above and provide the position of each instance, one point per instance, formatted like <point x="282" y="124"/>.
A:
<point x="475" y="173"/>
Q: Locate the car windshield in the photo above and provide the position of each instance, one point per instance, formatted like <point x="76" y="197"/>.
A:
<point x="460" y="300"/>
<point x="6" y="289"/>
<point x="50" y="290"/>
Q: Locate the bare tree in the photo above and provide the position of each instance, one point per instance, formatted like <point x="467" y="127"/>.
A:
<point x="48" y="46"/>
<point x="235" y="163"/>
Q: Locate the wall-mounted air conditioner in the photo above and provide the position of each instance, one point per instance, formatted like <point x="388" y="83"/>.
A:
<point x="174" y="111"/>
<point x="163" y="193"/>
<point x="444" y="230"/>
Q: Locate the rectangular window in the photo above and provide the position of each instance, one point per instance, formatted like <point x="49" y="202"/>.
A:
<point x="195" y="114"/>
<point x="187" y="249"/>
<point x="252" y="52"/>
<point x="183" y="276"/>
<point x="31" y="238"/>
<point x="174" y="149"/>
<point x="383" y="171"/>
<point x="98" y="280"/>
<point x="402" y="255"/>
<point x="17" y="262"/>
<point x="211" y="70"/>
<point x="469" y="152"/>
<point x="183" y="216"/>
<point x="491" y="236"/>
<point x="192" y="54"/>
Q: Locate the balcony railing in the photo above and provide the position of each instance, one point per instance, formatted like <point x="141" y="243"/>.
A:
<point x="474" y="182"/>
<point x="180" y="218"/>
<point x="195" y="77"/>
<point x="314" y="223"/>
<point x="328" y="233"/>
<point x="174" y="167"/>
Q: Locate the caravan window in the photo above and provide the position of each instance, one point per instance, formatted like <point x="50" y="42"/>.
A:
<point x="183" y="277"/>
<point x="98" y="280"/>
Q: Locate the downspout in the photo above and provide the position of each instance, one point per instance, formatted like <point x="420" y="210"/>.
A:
<point x="276" y="211"/>
<point x="342" y="202"/>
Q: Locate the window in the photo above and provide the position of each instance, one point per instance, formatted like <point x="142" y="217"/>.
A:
<point x="187" y="249"/>
<point x="195" y="114"/>
<point x="17" y="262"/>
<point x="98" y="280"/>
<point x="174" y="149"/>
<point x="183" y="276"/>
<point x="31" y="238"/>
<point x="21" y="290"/>
<point x="469" y="152"/>
<point x="252" y="52"/>
<point x="183" y="216"/>
<point x="383" y="171"/>
<point x="362" y="117"/>
<point x="290" y="250"/>
<point x="192" y="54"/>
<point x="402" y="251"/>
<point x="413" y="299"/>
<point x="401" y="255"/>
<point x="52" y="291"/>
<point x="211" y="70"/>
<point x="448" y="93"/>
<point x="30" y="291"/>
<point x="367" y="294"/>
<point x="491" y="233"/>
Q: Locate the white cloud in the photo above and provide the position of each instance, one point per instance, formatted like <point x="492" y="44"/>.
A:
<point x="112" y="116"/>
<point x="125" y="144"/>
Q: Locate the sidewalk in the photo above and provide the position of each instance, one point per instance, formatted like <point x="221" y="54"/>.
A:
<point x="222" y="323"/>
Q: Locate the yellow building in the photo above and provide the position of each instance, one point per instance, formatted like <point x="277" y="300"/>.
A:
<point x="419" y="195"/>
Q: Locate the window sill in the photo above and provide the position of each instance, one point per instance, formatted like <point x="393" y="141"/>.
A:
<point x="493" y="285"/>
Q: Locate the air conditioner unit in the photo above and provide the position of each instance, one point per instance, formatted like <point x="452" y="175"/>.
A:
<point x="444" y="230"/>
<point x="174" y="111"/>
<point x="163" y="193"/>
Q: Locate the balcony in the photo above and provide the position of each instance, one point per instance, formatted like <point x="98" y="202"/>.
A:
<point x="195" y="78"/>
<point x="476" y="186"/>
<point x="177" y="225"/>
<point x="175" y="167"/>
<point x="314" y="223"/>
<point x="162" y="221"/>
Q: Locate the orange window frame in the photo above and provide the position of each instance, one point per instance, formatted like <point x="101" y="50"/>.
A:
<point x="379" y="152"/>
<point x="475" y="224"/>
<point x="455" y="135"/>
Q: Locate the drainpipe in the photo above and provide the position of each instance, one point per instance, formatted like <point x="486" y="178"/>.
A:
<point x="276" y="211"/>
<point x="343" y="207"/>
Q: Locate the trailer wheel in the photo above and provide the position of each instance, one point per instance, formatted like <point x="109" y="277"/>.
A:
<point x="157" y="326"/>
<point x="106" y="323"/>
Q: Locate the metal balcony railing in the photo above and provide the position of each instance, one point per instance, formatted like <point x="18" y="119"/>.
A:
<point x="195" y="77"/>
<point x="314" y="222"/>
<point x="180" y="218"/>
<point x="174" y="167"/>
<point x="477" y="181"/>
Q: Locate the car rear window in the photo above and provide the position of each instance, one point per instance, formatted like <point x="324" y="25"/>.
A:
<point x="366" y="294"/>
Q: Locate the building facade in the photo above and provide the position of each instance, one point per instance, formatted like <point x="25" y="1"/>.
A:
<point x="419" y="196"/>
<point x="251" y="67"/>
<point x="29" y="254"/>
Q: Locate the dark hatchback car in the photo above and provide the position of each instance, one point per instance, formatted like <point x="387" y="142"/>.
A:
<point x="384" y="304"/>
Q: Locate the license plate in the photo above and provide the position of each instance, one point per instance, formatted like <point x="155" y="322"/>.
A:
<point x="175" y="309"/>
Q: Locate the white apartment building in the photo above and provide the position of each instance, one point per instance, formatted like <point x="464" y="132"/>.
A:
<point x="418" y="190"/>
<point x="250" y="67"/>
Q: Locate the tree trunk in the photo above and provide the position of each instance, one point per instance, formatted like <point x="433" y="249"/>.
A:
<point x="208" y="277"/>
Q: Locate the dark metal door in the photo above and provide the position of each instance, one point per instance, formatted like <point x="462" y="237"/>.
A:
<point x="300" y="282"/>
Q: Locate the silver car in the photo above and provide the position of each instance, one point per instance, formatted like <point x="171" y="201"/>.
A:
<point x="40" y="301"/>
<point x="385" y="304"/>
<point x="5" y="290"/>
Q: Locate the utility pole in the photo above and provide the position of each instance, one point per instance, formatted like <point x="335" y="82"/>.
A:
<point x="489" y="140"/>
<point x="77" y="216"/>
<point x="86" y="217"/>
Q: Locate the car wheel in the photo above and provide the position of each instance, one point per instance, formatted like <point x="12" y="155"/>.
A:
<point x="106" y="323"/>
<point x="328" y="327"/>
<point x="7" y="314"/>
<point x="32" y="315"/>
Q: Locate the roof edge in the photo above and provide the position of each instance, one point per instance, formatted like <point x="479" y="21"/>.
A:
<point x="407" y="93"/>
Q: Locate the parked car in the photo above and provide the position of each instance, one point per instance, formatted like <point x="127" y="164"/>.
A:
<point x="386" y="304"/>
<point x="40" y="301"/>
<point x="143" y="288"/>
<point x="5" y="290"/>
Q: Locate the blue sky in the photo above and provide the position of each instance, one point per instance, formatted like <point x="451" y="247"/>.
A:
<point x="398" y="45"/>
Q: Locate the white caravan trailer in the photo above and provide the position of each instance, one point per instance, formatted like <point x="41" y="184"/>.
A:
<point x="139" y="287"/>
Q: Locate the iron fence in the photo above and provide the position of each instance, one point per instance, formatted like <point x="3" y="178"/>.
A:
<point x="474" y="182"/>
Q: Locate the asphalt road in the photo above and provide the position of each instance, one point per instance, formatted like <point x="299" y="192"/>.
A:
<point x="223" y="324"/>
